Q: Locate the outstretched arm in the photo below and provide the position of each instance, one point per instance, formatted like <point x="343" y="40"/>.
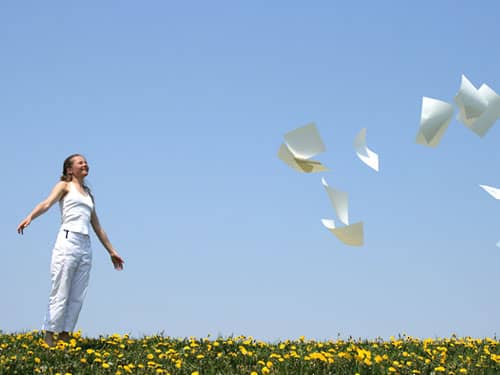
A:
<point x="103" y="237"/>
<point x="56" y="194"/>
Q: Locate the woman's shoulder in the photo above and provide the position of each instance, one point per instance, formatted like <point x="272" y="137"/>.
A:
<point x="62" y="186"/>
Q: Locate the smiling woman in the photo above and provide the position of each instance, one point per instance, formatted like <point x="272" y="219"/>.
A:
<point x="72" y="253"/>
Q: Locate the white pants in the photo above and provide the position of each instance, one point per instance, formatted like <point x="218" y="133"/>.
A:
<point x="69" y="270"/>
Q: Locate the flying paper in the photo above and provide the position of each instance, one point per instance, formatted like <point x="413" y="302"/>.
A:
<point x="434" y="120"/>
<point x="350" y="235"/>
<point x="470" y="102"/>
<point x="305" y="142"/>
<point x="366" y="155"/>
<point x="494" y="192"/>
<point x="485" y="121"/>
<point x="300" y="145"/>
<point x="339" y="201"/>
<point x="478" y="109"/>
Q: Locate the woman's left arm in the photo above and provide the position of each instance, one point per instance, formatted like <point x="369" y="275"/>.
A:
<point x="103" y="237"/>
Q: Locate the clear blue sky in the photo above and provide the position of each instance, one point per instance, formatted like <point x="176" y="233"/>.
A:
<point x="180" y="108"/>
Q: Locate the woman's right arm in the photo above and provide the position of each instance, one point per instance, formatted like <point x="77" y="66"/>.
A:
<point x="56" y="194"/>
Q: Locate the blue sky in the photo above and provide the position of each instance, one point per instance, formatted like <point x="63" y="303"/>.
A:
<point x="180" y="108"/>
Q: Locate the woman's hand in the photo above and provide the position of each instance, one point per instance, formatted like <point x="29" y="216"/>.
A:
<point x="23" y="225"/>
<point x="117" y="260"/>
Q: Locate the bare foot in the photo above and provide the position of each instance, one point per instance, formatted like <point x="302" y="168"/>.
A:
<point x="49" y="338"/>
<point x="64" y="336"/>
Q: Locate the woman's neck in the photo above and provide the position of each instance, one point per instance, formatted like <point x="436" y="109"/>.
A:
<point x="77" y="181"/>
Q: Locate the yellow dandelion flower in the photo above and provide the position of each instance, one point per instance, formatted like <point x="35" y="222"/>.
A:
<point x="243" y="350"/>
<point x="265" y="370"/>
<point x="195" y="373"/>
<point x="37" y="360"/>
<point x="105" y="365"/>
<point x="440" y="369"/>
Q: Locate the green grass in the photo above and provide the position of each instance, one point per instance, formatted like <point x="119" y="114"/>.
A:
<point x="26" y="353"/>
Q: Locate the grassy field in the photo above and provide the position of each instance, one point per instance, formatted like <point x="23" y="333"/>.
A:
<point x="26" y="353"/>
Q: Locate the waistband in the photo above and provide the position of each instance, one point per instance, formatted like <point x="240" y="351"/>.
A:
<point x="67" y="232"/>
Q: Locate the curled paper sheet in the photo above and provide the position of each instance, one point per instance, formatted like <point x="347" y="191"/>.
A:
<point x="350" y="235"/>
<point x="498" y="244"/>
<point x="300" y="145"/>
<point x="304" y="166"/>
<point x="305" y="142"/>
<point x="340" y="201"/>
<point x="478" y="109"/>
<point x="491" y="114"/>
<point x="434" y="120"/>
<point x="494" y="192"/>
<point x="470" y="102"/>
<point x="366" y="155"/>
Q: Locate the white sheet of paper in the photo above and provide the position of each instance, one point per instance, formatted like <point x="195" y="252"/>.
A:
<point x="498" y="244"/>
<point x="286" y="155"/>
<point x="305" y="142"/>
<point x="366" y="155"/>
<point x="435" y="117"/>
<point x="494" y="192"/>
<point x="350" y="235"/>
<point x="340" y="201"/>
<point x="483" y="123"/>
<point x="470" y="102"/>
<point x="303" y="166"/>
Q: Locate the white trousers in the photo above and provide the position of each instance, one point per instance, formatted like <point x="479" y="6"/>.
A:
<point x="69" y="270"/>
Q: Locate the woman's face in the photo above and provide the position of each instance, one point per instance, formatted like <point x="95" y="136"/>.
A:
<point x="79" y="167"/>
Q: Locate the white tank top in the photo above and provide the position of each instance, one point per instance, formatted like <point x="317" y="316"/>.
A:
<point x="76" y="209"/>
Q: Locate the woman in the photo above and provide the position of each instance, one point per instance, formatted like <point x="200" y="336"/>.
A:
<point x="72" y="254"/>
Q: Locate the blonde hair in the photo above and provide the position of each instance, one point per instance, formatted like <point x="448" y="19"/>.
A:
<point x="68" y="163"/>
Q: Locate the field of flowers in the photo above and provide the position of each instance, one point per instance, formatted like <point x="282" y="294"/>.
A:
<point x="26" y="353"/>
